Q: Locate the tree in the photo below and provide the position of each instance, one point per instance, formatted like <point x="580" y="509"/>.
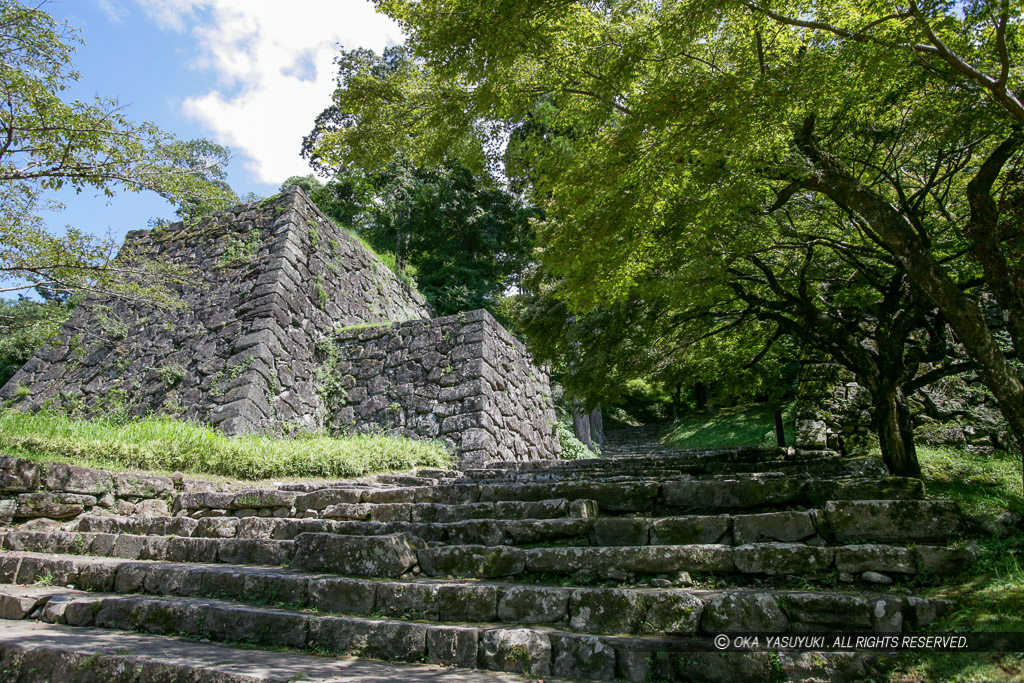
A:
<point x="468" y="238"/>
<point x="689" y="118"/>
<point x="25" y="325"/>
<point x="47" y="144"/>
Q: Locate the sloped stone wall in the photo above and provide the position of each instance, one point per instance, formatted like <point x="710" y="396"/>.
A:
<point x="463" y="379"/>
<point x="280" y="301"/>
<point x="269" y="278"/>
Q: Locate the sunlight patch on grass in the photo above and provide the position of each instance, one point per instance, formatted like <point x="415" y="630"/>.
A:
<point x="980" y="482"/>
<point x="752" y="425"/>
<point x="165" y="444"/>
<point x="988" y="596"/>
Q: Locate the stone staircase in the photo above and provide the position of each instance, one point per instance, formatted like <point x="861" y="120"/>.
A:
<point x="589" y="569"/>
<point x="635" y="441"/>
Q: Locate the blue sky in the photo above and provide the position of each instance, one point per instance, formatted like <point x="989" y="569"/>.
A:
<point x="248" y="74"/>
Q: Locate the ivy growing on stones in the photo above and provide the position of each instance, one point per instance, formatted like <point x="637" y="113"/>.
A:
<point x="321" y="293"/>
<point x="171" y="373"/>
<point x="111" y="328"/>
<point x="227" y="375"/>
<point x="327" y="378"/>
<point x="273" y="386"/>
<point x="240" y="251"/>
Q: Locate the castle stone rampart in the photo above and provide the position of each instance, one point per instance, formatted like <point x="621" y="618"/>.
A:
<point x="269" y="282"/>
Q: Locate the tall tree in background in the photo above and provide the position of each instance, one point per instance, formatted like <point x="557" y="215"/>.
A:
<point x="467" y="243"/>
<point x="691" y="118"/>
<point x="468" y="238"/>
<point x="48" y="144"/>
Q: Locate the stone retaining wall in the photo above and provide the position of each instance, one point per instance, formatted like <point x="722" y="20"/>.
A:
<point x="833" y="411"/>
<point x="463" y="379"/>
<point x="268" y="280"/>
<point x="289" y="322"/>
<point x="54" y="491"/>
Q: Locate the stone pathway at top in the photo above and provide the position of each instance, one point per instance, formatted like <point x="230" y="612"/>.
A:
<point x="589" y="569"/>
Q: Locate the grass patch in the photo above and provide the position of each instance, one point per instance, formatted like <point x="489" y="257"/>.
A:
<point x="408" y="276"/>
<point x="750" y="425"/>
<point x="990" y="595"/>
<point x="166" y="444"/>
<point x="980" y="482"/>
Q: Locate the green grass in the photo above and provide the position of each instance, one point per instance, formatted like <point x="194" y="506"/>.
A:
<point x="165" y="444"/>
<point x="987" y="597"/>
<point x="980" y="482"/>
<point x="990" y="595"/>
<point x="751" y="425"/>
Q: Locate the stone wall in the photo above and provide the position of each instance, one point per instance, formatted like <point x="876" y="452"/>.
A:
<point x="463" y="379"/>
<point x="270" y="278"/>
<point x="53" y="491"/>
<point x="247" y="352"/>
<point x="833" y="411"/>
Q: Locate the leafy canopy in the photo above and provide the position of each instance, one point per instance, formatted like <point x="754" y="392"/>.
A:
<point x="739" y="156"/>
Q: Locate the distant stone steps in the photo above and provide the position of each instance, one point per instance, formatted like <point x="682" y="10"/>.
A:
<point x="705" y="466"/>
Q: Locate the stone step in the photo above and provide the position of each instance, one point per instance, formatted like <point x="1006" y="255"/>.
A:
<point x="515" y="500"/>
<point x="579" y="609"/>
<point x="914" y="521"/>
<point x="703" y="464"/>
<point x="266" y="552"/>
<point x="586" y="563"/>
<point x="535" y="650"/>
<point x="38" y="652"/>
<point x="628" y="495"/>
<point x="709" y="495"/>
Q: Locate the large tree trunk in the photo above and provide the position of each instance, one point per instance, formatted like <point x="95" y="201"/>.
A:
<point x="596" y="427"/>
<point x="927" y="274"/>
<point x="896" y="433"/>
<point x="581" y="425"/>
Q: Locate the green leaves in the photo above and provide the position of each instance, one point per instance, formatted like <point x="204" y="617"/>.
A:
<point x="723" y="170"/>
<point x="48" y="144"/>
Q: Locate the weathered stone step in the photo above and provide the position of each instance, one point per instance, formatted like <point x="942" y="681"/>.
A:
<point x="272" y="541"/>
<point x="419" y="476"/>
<point x="513" y="500"/>
<point x="579" y="609"/>
<point x="910" y="521"/>
<point x="165" y="548"/>
<point x="706" y="466"/>
<point x="615" y="563"/>
<point x="36" y="652"/>
<point x="536" y="650"/>
<point x="616" y="494"/>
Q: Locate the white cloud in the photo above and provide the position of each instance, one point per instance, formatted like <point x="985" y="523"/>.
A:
<point x="274" y="63"/>
<point x="113" y="9"/>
